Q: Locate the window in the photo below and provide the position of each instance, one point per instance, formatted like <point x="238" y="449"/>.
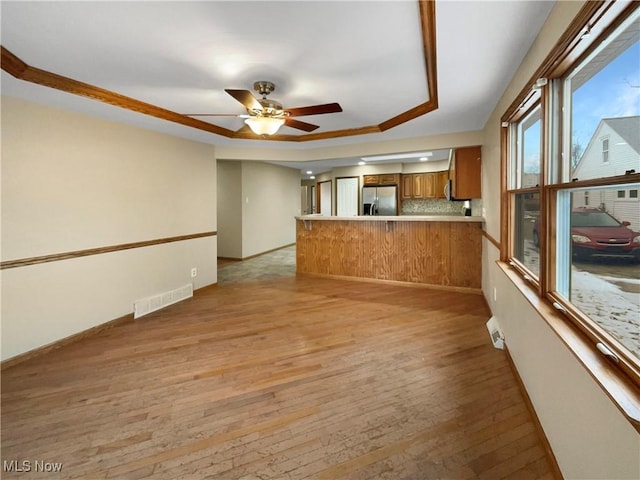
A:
<point x="572" y="150"/>
<point x="529" y="144"/>
<point x="596" y="249"/>
<point x="525" y="190"/>
<point x="605" y="150"/>
<point x="596" y="267"/>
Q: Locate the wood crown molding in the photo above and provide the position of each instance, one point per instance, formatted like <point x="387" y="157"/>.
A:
<point x="22" y="71"/>
<point x="23" y="262"/>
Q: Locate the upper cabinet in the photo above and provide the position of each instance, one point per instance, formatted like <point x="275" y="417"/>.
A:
<point x="465" y="173"/>
<point x="442" y="178"/>
<point x="382" y="179"/>
<point x="424" y="185"/>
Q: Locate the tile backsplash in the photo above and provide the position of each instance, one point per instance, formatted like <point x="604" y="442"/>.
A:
<point x="440" y="206"/>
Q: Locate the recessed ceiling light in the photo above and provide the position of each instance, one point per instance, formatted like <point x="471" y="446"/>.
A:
<point x="309" y="172"/>
<point x="423" y="159"/>
<point x="362" y="162"/>
<point x="312" y="177"/>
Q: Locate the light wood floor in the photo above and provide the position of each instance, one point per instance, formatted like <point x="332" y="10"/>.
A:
<point x="288" y="379"/>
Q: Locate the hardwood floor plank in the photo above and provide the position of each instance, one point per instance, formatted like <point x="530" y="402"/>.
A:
<point x="297" y="377"/>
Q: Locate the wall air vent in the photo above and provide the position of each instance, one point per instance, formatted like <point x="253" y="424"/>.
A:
<point x="156" y="302"/>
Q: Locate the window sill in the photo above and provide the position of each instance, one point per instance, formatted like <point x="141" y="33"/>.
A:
<point x="618" y="387"/>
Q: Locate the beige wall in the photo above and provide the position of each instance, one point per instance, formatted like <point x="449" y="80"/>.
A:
<point x="257" y="205"/>
<point x="229" y="209"/>
<point x="589" y="436"/>
<point x="270" y="203"/>
<point x="266" y="151"/>
<point x="73" y="182"/>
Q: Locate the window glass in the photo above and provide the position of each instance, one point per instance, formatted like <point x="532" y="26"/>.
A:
<point x="603" y="114"/>
<point x="598" y="251"/>
<point x="526" y="235"/>
<point x="529" y="146"/>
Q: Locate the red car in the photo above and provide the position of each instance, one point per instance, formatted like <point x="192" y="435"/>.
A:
<point x="595" y="233"/>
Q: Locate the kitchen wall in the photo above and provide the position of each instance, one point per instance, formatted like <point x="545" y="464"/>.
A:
<point x="257" y="206"/>
<point x="73" y="182"/>
<point x="589" y="436"/>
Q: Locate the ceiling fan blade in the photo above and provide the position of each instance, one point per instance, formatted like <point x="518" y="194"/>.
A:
<point x="314" y="110"/>
<point x="307" y="127"/>
<point x="246" y="98"/>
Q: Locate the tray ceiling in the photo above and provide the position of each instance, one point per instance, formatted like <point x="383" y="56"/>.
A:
<point x="369" y="56"/>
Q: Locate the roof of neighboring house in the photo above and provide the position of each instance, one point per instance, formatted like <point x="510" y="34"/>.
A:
<point x="628" y="128"/>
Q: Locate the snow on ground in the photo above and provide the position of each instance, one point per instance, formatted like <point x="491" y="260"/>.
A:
<point x="615" y="310"/>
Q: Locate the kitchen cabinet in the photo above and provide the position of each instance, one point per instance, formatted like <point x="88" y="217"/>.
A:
<point x="441" y="182"/>
<point x="423" y="185"/>
<point x="407" y="187"/>
<point x="465" y="173"/>
<point x="418" y="185"/>
<point x="382" y="179"/>
<point x="428" y="185"/>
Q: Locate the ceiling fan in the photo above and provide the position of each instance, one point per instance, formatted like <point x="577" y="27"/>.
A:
<point x="265" y="115"/>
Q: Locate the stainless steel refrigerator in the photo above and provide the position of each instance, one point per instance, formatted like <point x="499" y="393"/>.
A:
<point x="380" y="200"/>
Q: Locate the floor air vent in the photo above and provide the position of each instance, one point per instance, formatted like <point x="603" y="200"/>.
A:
<point x="156" y="302"/>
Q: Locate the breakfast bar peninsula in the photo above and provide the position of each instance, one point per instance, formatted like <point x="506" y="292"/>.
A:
<point x="434" y="250"/>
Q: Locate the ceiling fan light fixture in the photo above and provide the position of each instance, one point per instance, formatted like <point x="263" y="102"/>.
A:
<point x="264" y="125"/>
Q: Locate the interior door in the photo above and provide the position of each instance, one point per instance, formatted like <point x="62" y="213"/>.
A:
<point x="347" y="196"/>
<point x="325" y="197"/>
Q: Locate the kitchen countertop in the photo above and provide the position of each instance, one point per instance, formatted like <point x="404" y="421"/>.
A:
<point x="397" y="218"/>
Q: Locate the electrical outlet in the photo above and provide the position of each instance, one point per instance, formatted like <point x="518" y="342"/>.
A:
<point x="194" y="272"/>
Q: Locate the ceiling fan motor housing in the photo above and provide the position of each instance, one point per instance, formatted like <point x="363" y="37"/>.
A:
<point x="264" y="87"/>
<point x="270" y="107"/>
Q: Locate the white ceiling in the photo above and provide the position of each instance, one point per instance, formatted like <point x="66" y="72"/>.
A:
<point x="365" y="55"/>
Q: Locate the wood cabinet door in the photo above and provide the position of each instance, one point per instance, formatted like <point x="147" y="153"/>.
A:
<point x="390" y="179"/>
<point x="467" y="179"/>
<point x="441" y="181"/>
<point x="429" y="185"/>
<point x="418" y="185"/>
<point x="407" y="187"/>
<point x="371" y="179"/>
